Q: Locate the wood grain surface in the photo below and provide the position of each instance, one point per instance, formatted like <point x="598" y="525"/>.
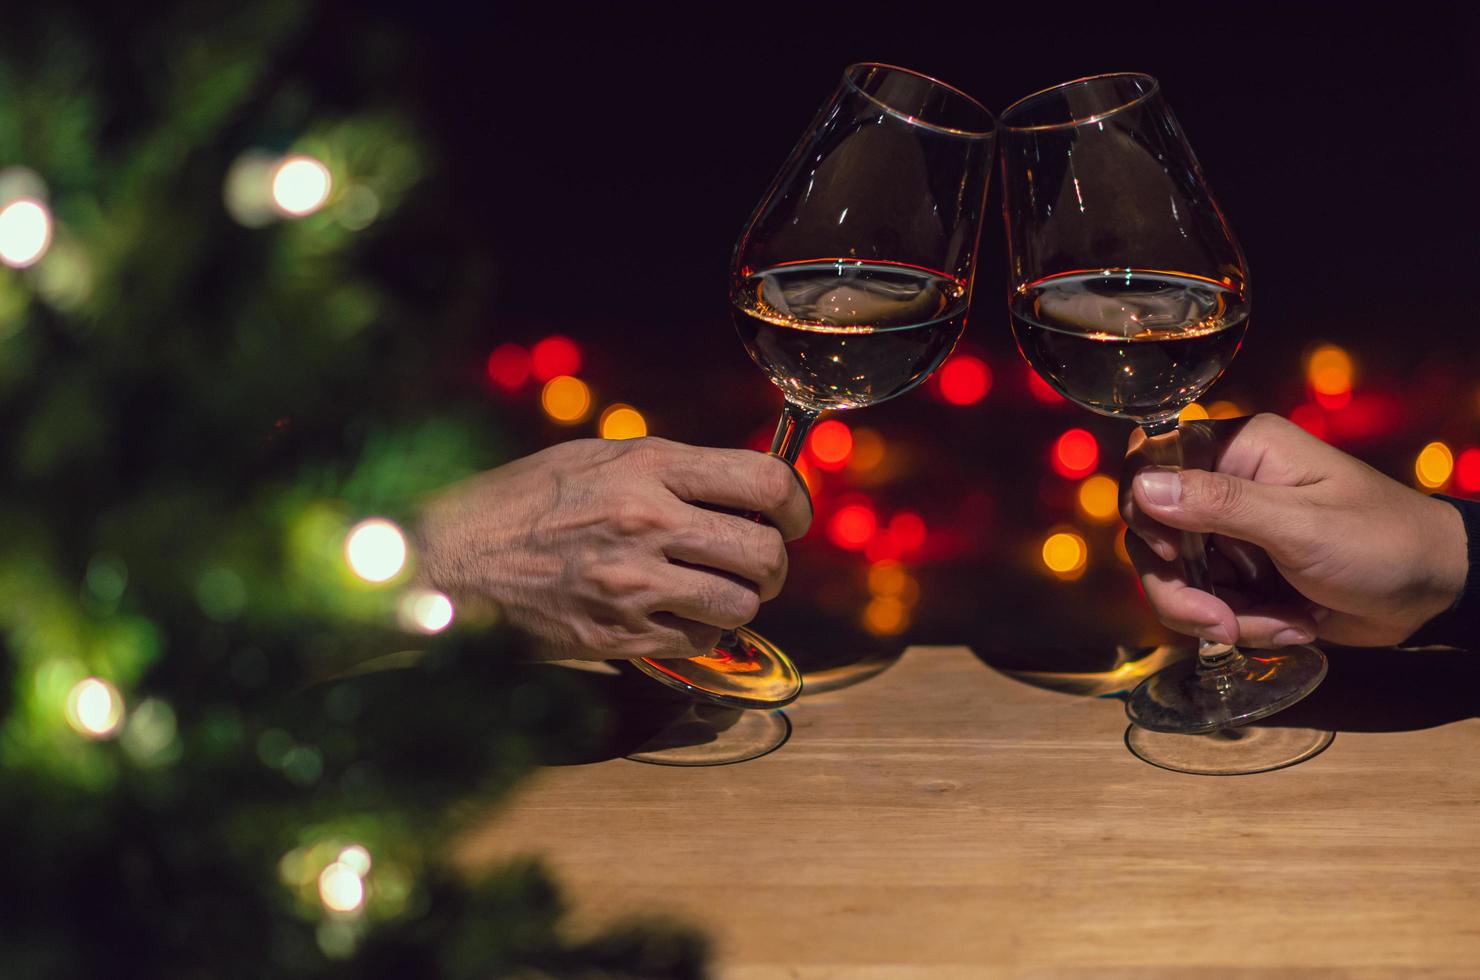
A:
<point x="942" y="819"/>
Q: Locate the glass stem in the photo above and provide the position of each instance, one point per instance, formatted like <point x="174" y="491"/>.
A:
<point x="1164" y="447"/>
<point x="791" y="431"/>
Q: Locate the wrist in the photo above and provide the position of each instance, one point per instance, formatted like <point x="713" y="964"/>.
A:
<point x="1444" y="561"/>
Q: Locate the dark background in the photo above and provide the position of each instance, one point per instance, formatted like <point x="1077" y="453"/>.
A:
<point x="604" y="163"/>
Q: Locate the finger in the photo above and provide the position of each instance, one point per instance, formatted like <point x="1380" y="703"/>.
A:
<point x="1198" y="500"/>
<point x="754" y="552"/>
<point x="1179" y="606"/>
<point x="737" y="478"/>
<point x="675" y="637"/>
<point x="704" y="596"/>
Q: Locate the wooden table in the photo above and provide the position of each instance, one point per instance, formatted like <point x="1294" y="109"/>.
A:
<point x="942" y="819"/>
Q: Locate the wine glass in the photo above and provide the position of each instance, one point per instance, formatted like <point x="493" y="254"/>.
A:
<point x="1129" y="295"/>
<point x="850" y="285"/>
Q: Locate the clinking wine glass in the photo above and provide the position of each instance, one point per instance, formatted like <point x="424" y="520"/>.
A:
<point x="1129" y="295"/>
<point x="849" y="286"/>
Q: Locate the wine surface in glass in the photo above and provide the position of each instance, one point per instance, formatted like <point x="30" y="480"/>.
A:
<point x="1129" y="343"/>
<point x="841" y="333"/>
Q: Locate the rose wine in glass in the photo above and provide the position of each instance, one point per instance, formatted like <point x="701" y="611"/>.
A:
<point x="1129" y="295"/>
<point x="849" y="286"/>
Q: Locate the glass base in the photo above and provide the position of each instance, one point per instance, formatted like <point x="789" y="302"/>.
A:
<point x="1229" y="752"/>
<point x="745" y="670"/>
<point x="709" y="735"/>
<point x="1188" y="699"/>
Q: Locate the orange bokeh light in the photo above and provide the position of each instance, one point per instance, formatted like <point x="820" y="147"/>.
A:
<point x="831" y="443"/>
<point x="554" y="356"/>
<point x="1075" y="454"/>
<point x="964" y="379"/>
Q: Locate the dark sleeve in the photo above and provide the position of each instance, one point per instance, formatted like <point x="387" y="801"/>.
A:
<point x="1459" y="625"/>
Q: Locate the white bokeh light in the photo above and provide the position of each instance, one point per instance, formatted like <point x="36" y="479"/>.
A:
<point x="25" y="232"/>
<point x="375" y="550"/>
<point x="340" y="889"/>
<point x="94" y="708"/>
<point x="300" y="186"/>
<point x="356" y="858"/>
<point x="426" y="612"/>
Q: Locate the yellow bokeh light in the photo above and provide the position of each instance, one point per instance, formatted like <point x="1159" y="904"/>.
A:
<point x="25" y="232"/>
<point x="1225" y="410"/>
<point x="1193" y="413"/>
<point x="340" y="889"/>
<point x="356" y="858"/>
<point x="300" y="186"/>
<point x="868" y="450"/>
<point x="94" y="708"/>
<point x="1099" y="497"/>
<point x="1329" y="370"/>
<point x="1065" y="554"/>
<point x="622" y="422"/>
<point x="1434" y="465"/>
<point x="375" y="550"/>
<point x="566" y="399"/>
<point x="885" y="616"/>
<point x="426" y="612"/>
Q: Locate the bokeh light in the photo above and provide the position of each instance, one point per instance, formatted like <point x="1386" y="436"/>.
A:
<point x="426" y="611"/>
<point x="25" y="232"/>
<point x="1120" y="549"/>
<point x="1311" y="419"/>
<point x="508" y="366"/>
<point x="908" y="530"/>
<point x="375" y="550"/>
<point x="356" y="858"/>
<point x="852" y="526"/>
<point x="94" y="708"/>
<point x="831" y="443"/>
<point x="1075" y="454"/>
<point x="566" y="399"/>
<point x="1467" y="470"/>
<point x="964" y="379"/>
<point x="868" y="450"/>
<point x="1434" y="465"/>
<point x="622" y="422"/>
<point x="1041" y="390"/>
<point x="1065" y="554"/>
<point x="554" y="356"/>
<point x="1193" y="412"/>
<point x="300" y="186"/>
<point x="340" y="889"/>
<point x="885" y="616"/>
<point x="1225" y="410"/>
<point x="1329" y="371"/>
<point x="1099" y="497"/>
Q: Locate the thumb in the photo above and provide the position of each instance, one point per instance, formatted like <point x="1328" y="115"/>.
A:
<point x="1216" y="503"/>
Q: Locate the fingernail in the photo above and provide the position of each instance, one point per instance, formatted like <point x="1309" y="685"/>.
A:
<point x="1217" y="633"/>
<point x="1161" y="487"/>
<point x="1290" y="636"/>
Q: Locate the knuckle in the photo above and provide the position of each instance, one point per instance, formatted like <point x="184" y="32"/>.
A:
<point x="1211" y="493"/>
<point x="647" y="453"/>
<point x="774" y="484"/>
<point x="615" y="580"/>
<point x="631" y="515"/>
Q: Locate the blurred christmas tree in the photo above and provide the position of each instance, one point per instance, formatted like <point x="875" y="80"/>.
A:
<point x="228" y="324"/>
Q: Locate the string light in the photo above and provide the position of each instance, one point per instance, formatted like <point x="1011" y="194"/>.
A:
<point x="426" y="611"/>
<point x="565" y="398"/>
<point x="508" y="366"/>
<point x="554" y="356"/>
<point x="1434" y="465"/>
<point x="622" y="422"/>
<point x="340" y="888"/>
<point x="831" y="443"/>
<point x="300" y="186"/>
<point x="964" y="379"/>
<point x="1099" y="497"/>
<point x="1065" y="554"/>
<point x="375" y="550"/>
<point x="1075" y="454"/>
<point x="25" y="232"/>
<point x="94" y="708"/>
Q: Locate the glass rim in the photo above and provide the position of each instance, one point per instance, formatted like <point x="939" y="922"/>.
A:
<point x="1155" y="89"/>
<point x="991" y="131"/>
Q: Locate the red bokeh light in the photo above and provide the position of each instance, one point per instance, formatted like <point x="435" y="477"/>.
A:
<point x="1333" y="400"/>
<point x="1467" y="470"/>
<point x="1075" y="454"/>
<point x="852" y="526"/>
<point x="908" y="531"/>
<point x="964" y="379"/>
<point x="831" y="443"/>
<point x="508" y="366"/>
<point x="554" y="356"/>
<point x="1311" y="419"/>
<point x="1041" y="390"/>
<point x="883" y="546"/>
